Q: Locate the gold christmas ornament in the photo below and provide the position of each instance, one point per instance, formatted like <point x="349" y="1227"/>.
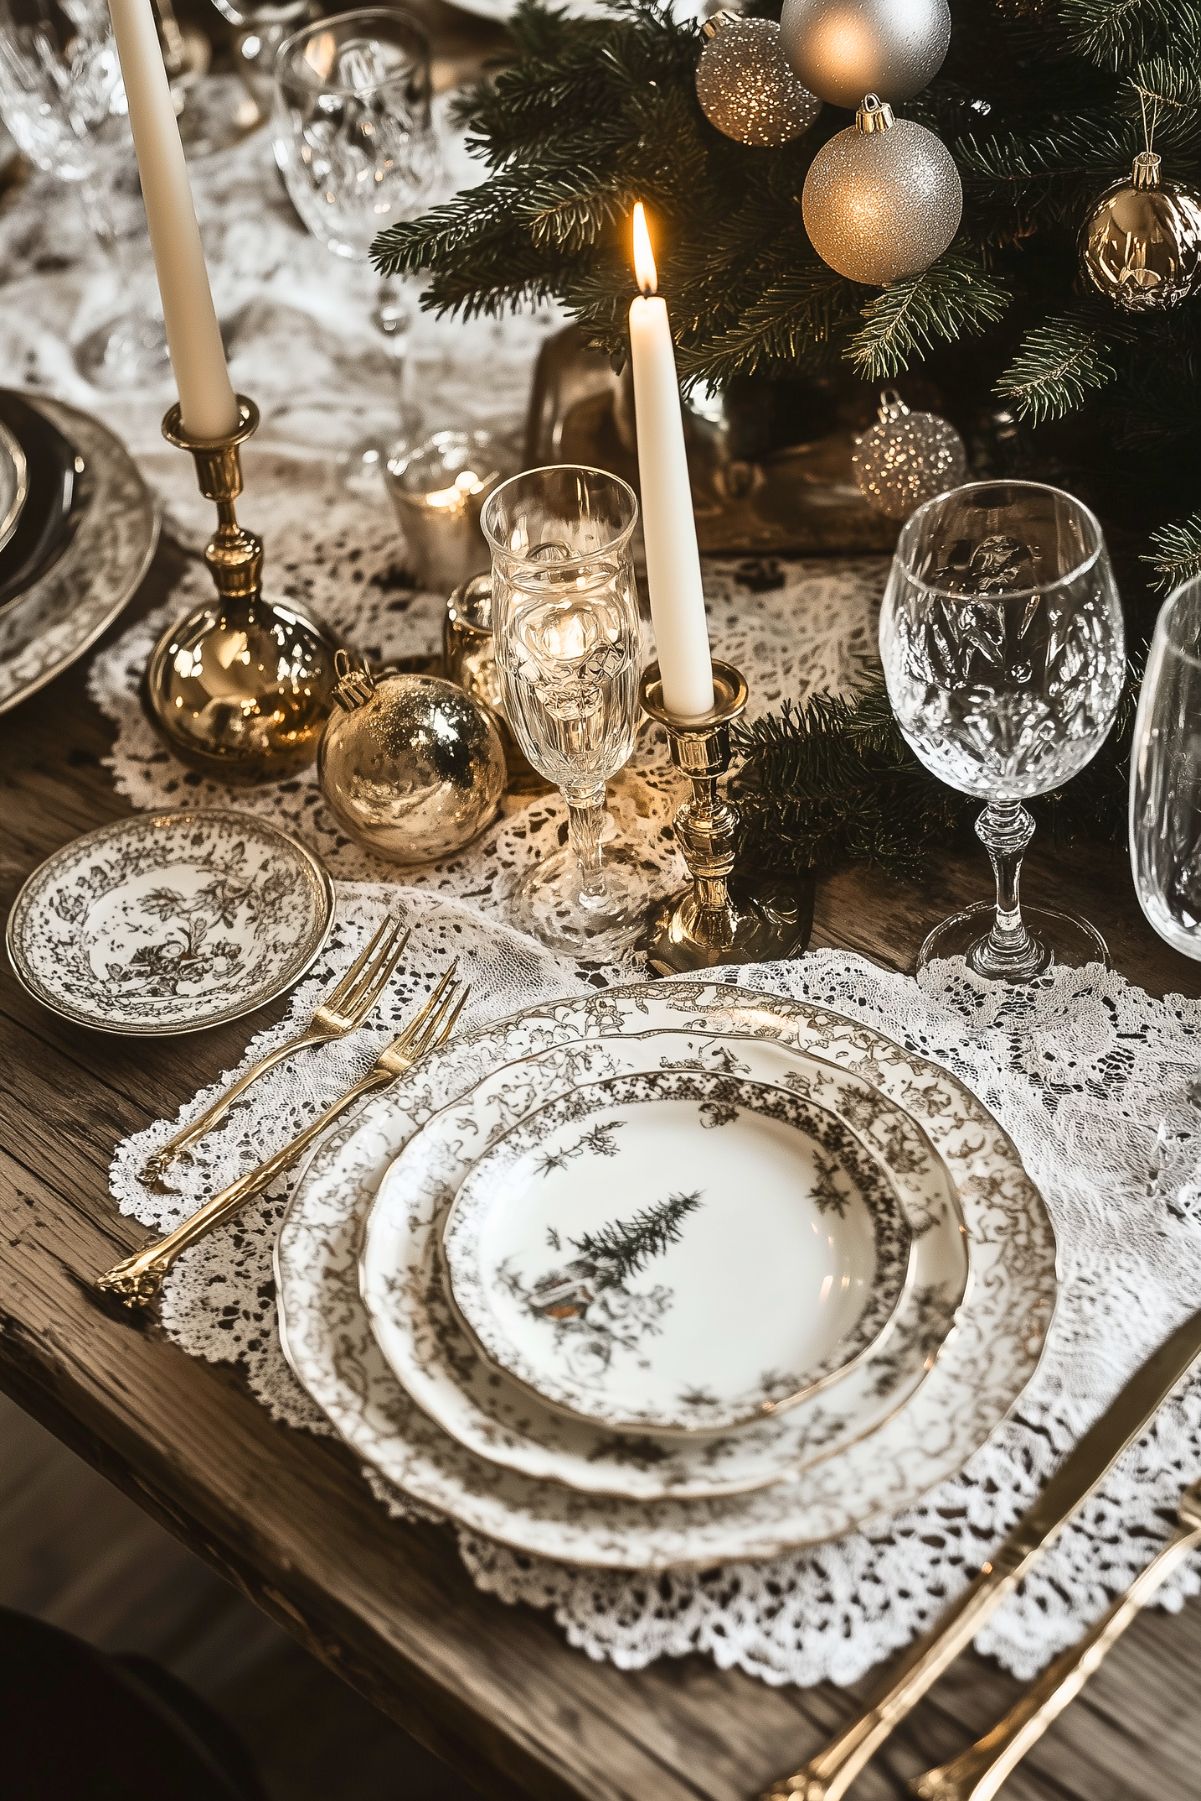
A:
<point x="843" y="49"/>
<point x="410" y="765"/>
<point x="241" y="687"/>
<point x="906" y="458"/>
<point x="745" y="86"/>
<point x="882" y="199"/>
<point x="1141" y="244"/>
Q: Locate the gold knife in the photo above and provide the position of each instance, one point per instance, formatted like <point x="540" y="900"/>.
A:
<point x="828" y="1776"/>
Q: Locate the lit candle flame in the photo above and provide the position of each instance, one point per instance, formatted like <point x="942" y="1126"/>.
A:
<point x="644" y="257"/>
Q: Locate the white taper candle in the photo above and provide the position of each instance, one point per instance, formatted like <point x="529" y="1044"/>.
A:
<point x="206" y="397"/>
<point x="673" y="564"/>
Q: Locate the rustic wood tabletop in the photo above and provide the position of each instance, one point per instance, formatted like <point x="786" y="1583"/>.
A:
<point x="497" y="1691"/>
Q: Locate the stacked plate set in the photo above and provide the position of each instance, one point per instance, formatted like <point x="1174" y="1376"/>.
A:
<point x="683" y="1274"/>
<point x="78" y="528"/>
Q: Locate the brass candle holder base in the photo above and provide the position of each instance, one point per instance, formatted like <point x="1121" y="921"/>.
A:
<point x="722" y="917"/>
<point x="242" y="686"/>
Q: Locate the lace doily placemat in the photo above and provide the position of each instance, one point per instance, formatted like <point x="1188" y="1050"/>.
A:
<point x="1078" y="1070"/>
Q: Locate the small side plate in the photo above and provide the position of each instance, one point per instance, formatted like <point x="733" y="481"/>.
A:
<point x="169" y="922"/>
<point x="676" y="1251"/>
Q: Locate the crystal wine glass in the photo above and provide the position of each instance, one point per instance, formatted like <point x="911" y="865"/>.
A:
<point x="355" y="141"/>
<point x="1001" y="639"/>
<point x="1165" y="776"/>
<point x="568" y="644"/>
<point x="63" y="100"/>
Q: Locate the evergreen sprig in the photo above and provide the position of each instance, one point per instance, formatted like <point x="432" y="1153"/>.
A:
<point x="624" y="1246"/>
<point x="1176" y="552"/>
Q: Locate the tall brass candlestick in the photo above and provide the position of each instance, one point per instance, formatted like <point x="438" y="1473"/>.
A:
<point x="725" y="915"/>
<point x="240" y="688"/>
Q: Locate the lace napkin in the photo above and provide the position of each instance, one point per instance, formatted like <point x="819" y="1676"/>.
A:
<point x="1079" y="1070"/>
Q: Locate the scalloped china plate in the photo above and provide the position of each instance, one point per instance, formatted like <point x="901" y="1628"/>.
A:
<point x="402" y="1283"/>
<point x="984" y="1366"/>
<point x="676" y="1251"/>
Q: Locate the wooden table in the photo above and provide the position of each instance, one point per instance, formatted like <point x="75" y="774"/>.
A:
<point x="495" y="1690"/>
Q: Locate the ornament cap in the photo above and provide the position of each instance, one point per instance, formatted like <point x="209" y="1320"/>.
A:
<point x="355" y="684"/>
<point x="891" y="406"/>
<point x="874" y="114"/>
<point x="717" y="23"/>
<point x="1144" y="171"/>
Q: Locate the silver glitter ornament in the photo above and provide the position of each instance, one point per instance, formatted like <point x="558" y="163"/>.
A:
<point x="1141" y="244"/>
<point x="410" y="765"/>
<point x="883" y="198"/>
<point x="843" y="49"/>
<point x="745" y="86"/>
<point x="906" y="458"/>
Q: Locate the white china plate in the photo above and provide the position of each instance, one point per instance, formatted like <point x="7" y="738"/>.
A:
<point x="100" y="570"/>
<point x="676" y="1251"/>
<point x="169" y="922"/>
<point x="327" y="1338"/>
<point x="422" y="1340"/>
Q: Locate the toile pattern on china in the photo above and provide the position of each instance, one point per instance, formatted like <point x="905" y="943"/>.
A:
<point x="169" y="922"/>
<point x="404" y="1291"/>
<point x="676" y="1251"/>
<point x="327" y="1336"/>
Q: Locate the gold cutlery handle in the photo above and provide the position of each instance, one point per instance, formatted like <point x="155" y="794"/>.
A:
<point x="829" y="1775"/>
<point x="137" y="1280"/>
<point x="978" y="1773"/>
<point x="157" y="1162"/>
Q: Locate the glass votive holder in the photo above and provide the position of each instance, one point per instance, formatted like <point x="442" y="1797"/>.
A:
<point x="438" y="488"/>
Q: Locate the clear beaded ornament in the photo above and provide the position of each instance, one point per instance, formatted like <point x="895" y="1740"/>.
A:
<point x="906" y="458"/>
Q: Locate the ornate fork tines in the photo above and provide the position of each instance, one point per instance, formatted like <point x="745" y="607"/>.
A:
<point x="342" y="1011"/>
<point x="136" y="1281"/>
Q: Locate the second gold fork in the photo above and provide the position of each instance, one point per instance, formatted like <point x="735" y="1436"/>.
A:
<point x="342" y="1011"/>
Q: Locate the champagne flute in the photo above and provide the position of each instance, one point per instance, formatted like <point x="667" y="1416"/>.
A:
<point x="1002" y="645"/>
<point x="355" y="142"/>
<point x="63" y="100"/>
<point x="568" y="642"/>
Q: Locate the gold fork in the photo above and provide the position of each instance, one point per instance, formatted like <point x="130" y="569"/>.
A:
<point x="978" y="1773"/>
<point x="136" y="1281"/>
<point x="342" y="1011"/>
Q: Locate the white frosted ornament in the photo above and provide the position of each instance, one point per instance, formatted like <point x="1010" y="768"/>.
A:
<point x="906" y="458"/>
<point x="745" y="86"/>
<point x="882" y="199"/>
<point x="843" y="49"/>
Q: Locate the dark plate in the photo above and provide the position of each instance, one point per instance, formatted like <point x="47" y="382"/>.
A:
<point x="55" y="475"/>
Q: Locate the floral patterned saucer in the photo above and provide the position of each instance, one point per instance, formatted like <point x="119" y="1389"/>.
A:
<point x="677" y="1251"/>
<point x="169" y="922"/>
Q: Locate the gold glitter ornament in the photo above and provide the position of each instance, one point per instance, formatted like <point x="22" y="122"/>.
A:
<point x="410" y="765"/>
<point x="745" y="86"/>
<point x="906" y="458"/>
<point x="1141" y="244"/>
<point x="883" y="199"/>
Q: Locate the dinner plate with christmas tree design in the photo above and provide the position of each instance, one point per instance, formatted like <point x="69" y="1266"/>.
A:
<point x="676" y="1251"/>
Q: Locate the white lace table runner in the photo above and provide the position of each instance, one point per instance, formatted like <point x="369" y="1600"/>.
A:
<point x="1079" y="1070"/>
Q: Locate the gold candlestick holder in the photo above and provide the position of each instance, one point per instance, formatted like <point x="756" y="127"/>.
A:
<point x="242" y="686"/>
<point x="725" y="915"/>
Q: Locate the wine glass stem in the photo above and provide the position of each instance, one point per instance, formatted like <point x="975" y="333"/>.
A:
<point x="394" y="317"/>
<point x="585" y="824"/>
<point x="1005" y="829"/>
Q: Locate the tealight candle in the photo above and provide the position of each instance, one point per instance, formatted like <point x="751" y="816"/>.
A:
<point x="673" y="564"/>
<point x="438" y="489"/>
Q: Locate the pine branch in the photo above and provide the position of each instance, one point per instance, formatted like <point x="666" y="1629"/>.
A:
<point x="1176" y="552"/>
<point x="955" y="297"/>
<point x="624" y="1246"/>
<point x="1114" y="34"/>
<point x="1058" y="365"/>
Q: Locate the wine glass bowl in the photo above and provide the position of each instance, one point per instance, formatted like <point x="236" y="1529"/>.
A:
<point x="1002" y="645"/>
<point x="1165" y="776"/>
<point x="568" y="652"/>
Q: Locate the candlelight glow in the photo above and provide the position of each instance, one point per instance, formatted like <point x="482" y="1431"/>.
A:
<point x="644" y="257"/>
